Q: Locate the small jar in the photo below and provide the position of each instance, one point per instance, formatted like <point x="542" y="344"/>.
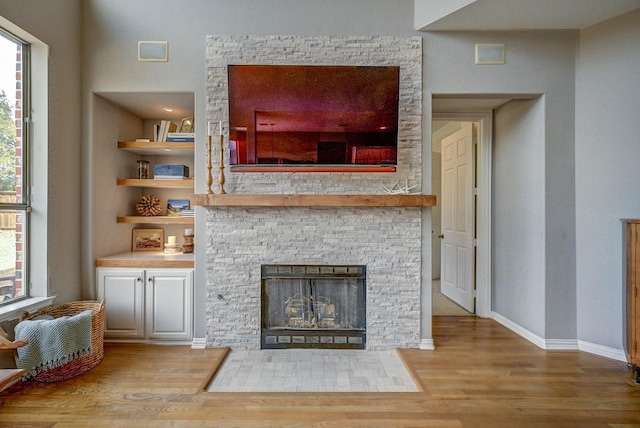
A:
<point x="187" y="245"/>
<point x="143" y="169"/>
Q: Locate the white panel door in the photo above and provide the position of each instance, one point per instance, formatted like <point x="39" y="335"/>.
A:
<point x="123" y="293"/>
<point x="169" y="304"/>
<point x="456" y="275"/>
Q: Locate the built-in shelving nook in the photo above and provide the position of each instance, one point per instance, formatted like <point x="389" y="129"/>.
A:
<point x="122" y="134"/>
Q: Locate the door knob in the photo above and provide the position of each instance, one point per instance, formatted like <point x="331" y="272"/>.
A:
<point x="441" y="236"/>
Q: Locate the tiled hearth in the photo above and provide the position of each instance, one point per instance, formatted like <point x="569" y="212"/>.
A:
<point x="313" y="370"/>
<point x="387" y="240"/>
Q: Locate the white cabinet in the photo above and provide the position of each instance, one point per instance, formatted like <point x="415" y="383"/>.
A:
<point x="155" y="304"/>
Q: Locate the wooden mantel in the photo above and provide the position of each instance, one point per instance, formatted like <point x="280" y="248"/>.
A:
<point x="265" y="200"/>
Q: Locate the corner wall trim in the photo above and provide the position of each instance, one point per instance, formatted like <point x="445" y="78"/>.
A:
<point x="199" y="343"/>
<point x="427" y="345"/>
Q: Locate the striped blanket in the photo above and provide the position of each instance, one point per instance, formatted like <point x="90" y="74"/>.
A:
<point x="53" y="342"/>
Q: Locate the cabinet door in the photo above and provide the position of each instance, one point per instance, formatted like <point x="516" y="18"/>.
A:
<point x="123" y="293"/>
<point x="169" y="304"/>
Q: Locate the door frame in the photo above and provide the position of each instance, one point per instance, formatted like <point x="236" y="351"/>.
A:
<point x="484" y="119"/>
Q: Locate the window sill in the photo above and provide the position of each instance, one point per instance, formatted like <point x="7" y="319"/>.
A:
<point x="32" y="304"/>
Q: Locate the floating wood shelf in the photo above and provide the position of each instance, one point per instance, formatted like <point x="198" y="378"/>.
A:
<point x="159" y="219"/>
<point x="234" y="200"/>
<point x="153" y="148"/>
<point x="159" y="184"/>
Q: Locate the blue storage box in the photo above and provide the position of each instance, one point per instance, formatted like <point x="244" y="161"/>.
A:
<point x="169" y="170"/>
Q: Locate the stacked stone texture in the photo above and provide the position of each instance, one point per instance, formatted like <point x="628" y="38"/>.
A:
<point x="386" y="240"/>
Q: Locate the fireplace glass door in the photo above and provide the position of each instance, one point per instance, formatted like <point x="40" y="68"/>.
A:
<point x="313" y="307"/>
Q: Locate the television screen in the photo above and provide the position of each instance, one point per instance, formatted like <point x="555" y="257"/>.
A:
<point x="313" y="115"/>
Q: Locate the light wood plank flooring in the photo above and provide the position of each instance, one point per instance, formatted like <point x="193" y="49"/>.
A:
<point x="480" y="375"/>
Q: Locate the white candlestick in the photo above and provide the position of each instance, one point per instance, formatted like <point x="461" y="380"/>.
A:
<point x="171" y="240"/>
<point x="188" y="232"/>
<point x="208" y="128"/>
<point x="220" y="127"/>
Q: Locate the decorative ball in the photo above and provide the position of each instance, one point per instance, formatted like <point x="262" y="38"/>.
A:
<point x="148" y="205"/>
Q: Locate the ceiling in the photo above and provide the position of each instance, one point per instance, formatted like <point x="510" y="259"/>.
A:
<point x="154" y="105"/>
<point x="505" y="15"/>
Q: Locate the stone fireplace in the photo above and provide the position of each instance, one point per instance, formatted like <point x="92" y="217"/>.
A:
<point x="385" y="239"/>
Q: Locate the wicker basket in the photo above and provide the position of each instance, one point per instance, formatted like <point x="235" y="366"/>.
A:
<point x="86" y="362"/>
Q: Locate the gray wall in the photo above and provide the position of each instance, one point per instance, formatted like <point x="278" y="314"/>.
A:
<point x="607" y="165"/>
<point x="518" y="211"/>
<point x="57" y="230"/>
<point x="537" y="63"/>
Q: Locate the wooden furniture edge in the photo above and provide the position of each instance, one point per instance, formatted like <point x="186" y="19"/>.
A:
<point x="132" y="145"/>
<point x="307" y="200"/>
<point x="135" y="182"/>
<point x="9" y="377"/>
<point x="145" y="263"/>
<point x="155" y="220"/>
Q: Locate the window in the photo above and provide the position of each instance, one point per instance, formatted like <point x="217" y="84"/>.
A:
<point x="14" y="197"/>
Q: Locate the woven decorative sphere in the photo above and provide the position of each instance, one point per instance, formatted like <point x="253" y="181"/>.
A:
<point x="148" y="205"/>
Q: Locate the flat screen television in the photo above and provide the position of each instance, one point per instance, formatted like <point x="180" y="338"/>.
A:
<point x="293" y="115"/>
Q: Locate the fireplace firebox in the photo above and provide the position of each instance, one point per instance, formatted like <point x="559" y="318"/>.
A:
<point x="313" y="306"/>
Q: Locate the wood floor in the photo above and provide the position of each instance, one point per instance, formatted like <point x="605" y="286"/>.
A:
<point x="480" y="375"/>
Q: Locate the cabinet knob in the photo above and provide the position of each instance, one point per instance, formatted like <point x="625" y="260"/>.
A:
<point x="150" y="279"/>
<point x="139" y="279"/>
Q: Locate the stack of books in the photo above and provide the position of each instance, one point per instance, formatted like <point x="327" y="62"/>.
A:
<point x="187" y="213"/>
<point x="181" y="137"/>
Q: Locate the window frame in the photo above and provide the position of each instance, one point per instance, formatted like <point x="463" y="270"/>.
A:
<point x="23" y="208"/>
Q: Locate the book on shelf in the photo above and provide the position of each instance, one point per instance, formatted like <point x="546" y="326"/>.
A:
<point x="143" y="140"/>
<point x="181" y="137"/>
<point x="163" y="129"/>
<point x="170" y="177"/>
<point x="187" y="213"/>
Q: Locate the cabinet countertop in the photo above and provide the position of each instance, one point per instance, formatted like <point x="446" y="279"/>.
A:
<point x="147" y="259"/>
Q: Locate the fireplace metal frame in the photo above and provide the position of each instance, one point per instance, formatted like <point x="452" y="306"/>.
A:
<point x="323" y="338"/>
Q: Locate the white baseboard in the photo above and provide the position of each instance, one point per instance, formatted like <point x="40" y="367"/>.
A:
<point x="427" y="344"/>
<point x="199" y="343"/>
<point x="560" y="344"/>
<point x="519" y="330"/>
<point x="603" y="351"/>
